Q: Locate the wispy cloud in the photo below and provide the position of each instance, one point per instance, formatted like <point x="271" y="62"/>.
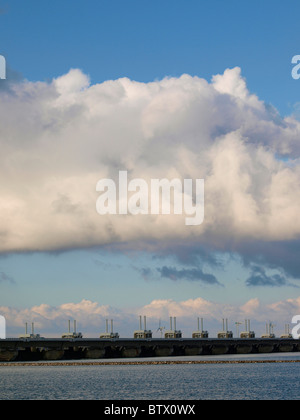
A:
<point x="259" y="278"/>
<point x="5" y="278"/>
<point x="193" y="274"/>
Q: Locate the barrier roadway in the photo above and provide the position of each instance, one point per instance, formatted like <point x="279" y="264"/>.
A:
<point x="76" y="349"/>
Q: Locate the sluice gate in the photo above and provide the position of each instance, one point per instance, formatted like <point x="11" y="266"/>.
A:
<point x="77" y="349"/>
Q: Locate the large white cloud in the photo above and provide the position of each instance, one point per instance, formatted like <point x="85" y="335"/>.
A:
<point x="58" y="139"/>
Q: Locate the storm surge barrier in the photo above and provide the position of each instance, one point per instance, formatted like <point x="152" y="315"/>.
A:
<point x="77" y="349"/>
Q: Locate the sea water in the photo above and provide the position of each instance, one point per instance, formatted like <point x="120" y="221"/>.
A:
<point x="156" y="382"/>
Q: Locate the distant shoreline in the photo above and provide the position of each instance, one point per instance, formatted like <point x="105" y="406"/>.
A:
<point x="145" y="363"/>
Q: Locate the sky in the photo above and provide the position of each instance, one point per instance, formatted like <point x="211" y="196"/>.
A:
<point x="162" y="89"/>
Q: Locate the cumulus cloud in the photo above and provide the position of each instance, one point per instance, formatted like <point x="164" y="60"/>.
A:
<point x="59" y="138"/>
<point x="53" y="321"/>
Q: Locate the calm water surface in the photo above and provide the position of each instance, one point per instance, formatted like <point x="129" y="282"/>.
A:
<point x="166" y="382"/>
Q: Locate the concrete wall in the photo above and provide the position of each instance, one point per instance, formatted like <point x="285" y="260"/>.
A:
<point x="64" y="349"/>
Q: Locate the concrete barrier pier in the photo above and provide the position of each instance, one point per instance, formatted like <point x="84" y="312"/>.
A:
<point x="77" y="349"/>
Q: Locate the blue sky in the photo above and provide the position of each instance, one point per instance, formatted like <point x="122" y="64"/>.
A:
<point x="146" y="41"/>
